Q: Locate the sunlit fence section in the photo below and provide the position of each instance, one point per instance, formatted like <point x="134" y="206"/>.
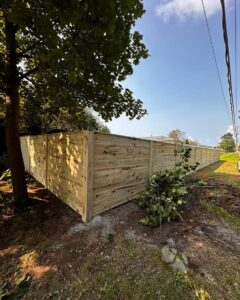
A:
<point x="93" y="172"/>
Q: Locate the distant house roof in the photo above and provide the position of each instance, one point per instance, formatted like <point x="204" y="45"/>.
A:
<point x="167" y="139"/>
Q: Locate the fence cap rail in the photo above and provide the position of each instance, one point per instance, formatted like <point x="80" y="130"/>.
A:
<point x="122" y="136"/>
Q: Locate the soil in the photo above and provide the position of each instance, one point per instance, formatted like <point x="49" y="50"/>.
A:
<point x="66" y="259"/>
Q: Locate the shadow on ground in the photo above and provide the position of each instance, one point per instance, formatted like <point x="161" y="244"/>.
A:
<point x="222" y="171"/>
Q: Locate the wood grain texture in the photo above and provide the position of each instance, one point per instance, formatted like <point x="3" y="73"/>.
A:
<point x="122" y="165"/>
<point x="89" y="175"/>
<point x="37" y="157"/>
<point x="66" y="168"/>
<point x="58" y="162"/>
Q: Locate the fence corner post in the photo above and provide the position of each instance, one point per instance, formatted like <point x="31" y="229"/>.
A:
<point x="89" y="173"/>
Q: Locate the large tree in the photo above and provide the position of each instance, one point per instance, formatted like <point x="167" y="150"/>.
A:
<point x="177" y="135"/>
<point x="39" y="117"/>
<point x="227" y="142"/>
<point x="77" y="52"/>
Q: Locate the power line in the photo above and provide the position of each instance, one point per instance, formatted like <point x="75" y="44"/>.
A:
<point x="228" y="64"/>
<point x="215" y="59"/>
<point x="236" y="60"/>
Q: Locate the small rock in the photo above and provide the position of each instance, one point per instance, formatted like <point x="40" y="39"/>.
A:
<point x="168" y="254"/>
<point x="175" y="259"/>
<point x="179" y="265"/>
<point x="171" y="243"/>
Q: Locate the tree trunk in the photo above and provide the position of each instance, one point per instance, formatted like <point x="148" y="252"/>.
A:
<point x="12" y="118"/>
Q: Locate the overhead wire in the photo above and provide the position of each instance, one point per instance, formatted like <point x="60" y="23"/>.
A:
<point x="228" y="65"/>
<point x="215" y="60"/>
<point x="236" y="59"/>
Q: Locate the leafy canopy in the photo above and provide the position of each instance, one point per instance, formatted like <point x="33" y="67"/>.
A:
<point x="39" y="117"/>
<point x="75" y="53"/>
<point x="177" y="134"/>
<point x="227" y="142"/>
<point x="47" y="118"/>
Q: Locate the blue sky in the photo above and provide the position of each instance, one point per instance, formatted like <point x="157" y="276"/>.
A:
<point x="178" y="83"/>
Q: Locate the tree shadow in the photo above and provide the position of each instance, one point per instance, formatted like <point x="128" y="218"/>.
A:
<point x="26" y="237"/>
<point x="225" y="172"/>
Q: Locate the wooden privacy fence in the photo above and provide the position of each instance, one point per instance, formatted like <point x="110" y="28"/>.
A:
<point x="93" y="172"/>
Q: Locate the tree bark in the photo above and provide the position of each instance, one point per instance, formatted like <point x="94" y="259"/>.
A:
<point x="12" y="118"/>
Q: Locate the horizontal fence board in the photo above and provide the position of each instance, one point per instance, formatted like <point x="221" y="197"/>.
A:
<point x="113" y="176"/>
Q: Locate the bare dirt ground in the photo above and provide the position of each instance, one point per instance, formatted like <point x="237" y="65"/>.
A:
<point x="46" y="252"/>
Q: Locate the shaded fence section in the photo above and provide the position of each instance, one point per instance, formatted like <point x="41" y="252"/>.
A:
<point x="58" y="161"/>
<point x="93" y="172"/>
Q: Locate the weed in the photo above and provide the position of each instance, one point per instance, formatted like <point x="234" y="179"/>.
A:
<point x="110" y="238"/>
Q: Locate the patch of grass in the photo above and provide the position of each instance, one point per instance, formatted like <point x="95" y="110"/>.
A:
<point x="223" y="171"/>
<point x="221" y="212"/>
<point x="230" y="157"/>
<point x="145" y="276"/>
<point x="230" y="277"/>
<point x="142" y="276"/>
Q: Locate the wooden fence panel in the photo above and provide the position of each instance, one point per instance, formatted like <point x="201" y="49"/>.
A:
<point x="37" y="157"/>
<point x="121" y="168"/>
<point x="66" y="176"/>
<point x="93" y="172"/>
<point x="163" y="156"/>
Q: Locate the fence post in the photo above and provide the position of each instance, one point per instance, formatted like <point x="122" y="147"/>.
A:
<point x="29" y="155"/>
<point x="28" y="152"/>
<point x="89" y="173"/>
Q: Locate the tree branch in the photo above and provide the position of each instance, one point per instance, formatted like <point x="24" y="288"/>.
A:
<point x="27" y="56"/>
<point x="29" y="72"/>
<point x="32" y="46"/>
<point x="33" y="82"/>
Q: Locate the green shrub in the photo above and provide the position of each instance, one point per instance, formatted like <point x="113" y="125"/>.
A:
<point x="202" y="182"/>
<point x="165" y="190"/>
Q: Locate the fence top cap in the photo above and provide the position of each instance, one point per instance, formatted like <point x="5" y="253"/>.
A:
<point x="148" y="139"/>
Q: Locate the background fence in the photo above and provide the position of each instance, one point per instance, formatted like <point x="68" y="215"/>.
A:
<point x="93" y="172"/>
